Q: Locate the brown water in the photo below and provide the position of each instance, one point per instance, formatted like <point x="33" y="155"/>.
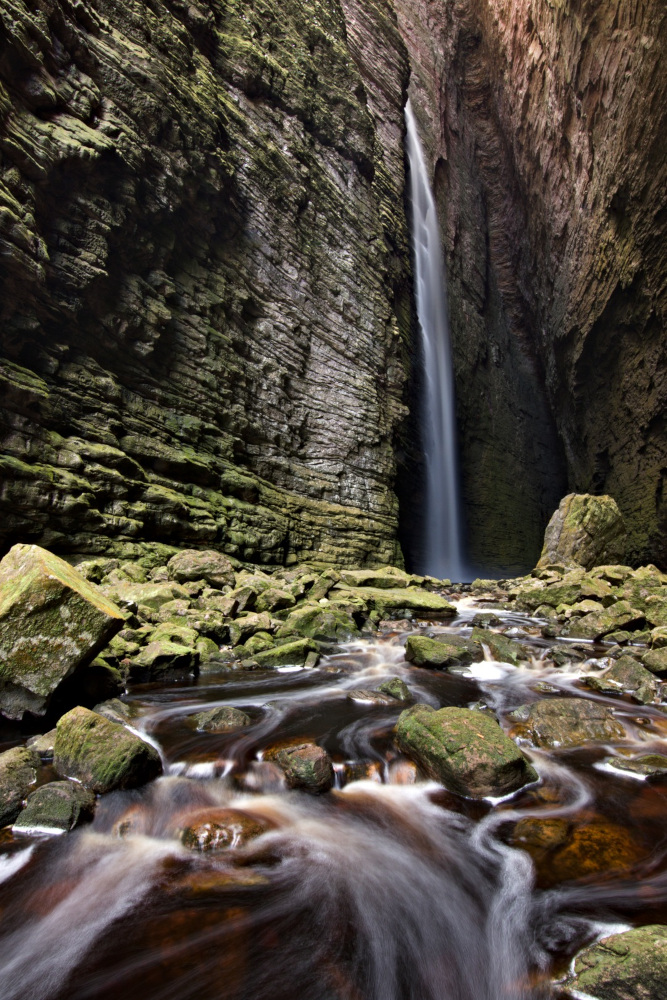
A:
<point x="379" y="890"/>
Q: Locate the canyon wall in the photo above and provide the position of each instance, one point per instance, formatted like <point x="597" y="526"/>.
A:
<point x="205" y="295"/>
<point x="546" y="126"/>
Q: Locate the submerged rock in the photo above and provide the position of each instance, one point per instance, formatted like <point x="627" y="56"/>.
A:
<point x="17" y="773"/>
<point x="58" y="806"/>
<point x="465" y="750"/>
<point x="221" y="720"/>
<point x="52" y="621"/>
<point x="305" y="765"/>
<point x="651" y="765"/>
<point x="101" y="754"/>
<point x="627" y="966"/>
<point x="585" y="531"/>
<point x="567" y="722"/>
<point x="220" y="829"/>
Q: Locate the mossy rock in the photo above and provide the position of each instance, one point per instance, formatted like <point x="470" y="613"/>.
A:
<point x="411" y="599"/>
<point x="288" y="654"/>
<point x="324" y="623"/>
<point x="274" y="599"/>
<point x="305" y="766"/>
<point x="384" y="578"/>
<point x="209" y="565"/>
<point x="242" y="628"/>
<point x="150" y="595"/>
<point x="18" y="771"/>
<point x="451" y="650"/>
<point x="396" y="688"/>
<point x="567" y="722"/>
<point x="257" y="643"/>
<point x="226" y="719"/>
<point x="52" y="621"/>
<point x="598" y="624"/>
<point x="502" y="649"/>
<point x="655" y="660"/>
<point x="164" y="659"/>
<point x="101" y="754"/>
<point x="631" y="965"/>
<point x="56" y="807"/>
<point x="626" y="676"/>
<point x="465" y="750"/>
<point x="585" y="531"/>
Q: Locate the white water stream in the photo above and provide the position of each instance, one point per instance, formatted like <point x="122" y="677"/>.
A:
<point x="442" y="549"/>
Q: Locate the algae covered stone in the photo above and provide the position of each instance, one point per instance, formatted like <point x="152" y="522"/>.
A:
<point x="305" y="766"/>
<point x="631" y="965"/>
<point x="626" y="676"/>
<point x="567" y="722"/>
<point x="226" y="719"/>
<point x="410" y="599"/>
<point x="52" y="621"/>
<point x="17" y="774"/>
<point x="585" y="531"/>
<point x="447" y="651"/>
<point x="209" y="565"/>
<point x="465" y="750"/>
<point x="101" y="754"/>
<point x="57" y="807"/>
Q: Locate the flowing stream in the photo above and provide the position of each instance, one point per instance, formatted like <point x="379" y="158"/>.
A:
<point x="385" y="888"/>
<point x="442" y="550"/>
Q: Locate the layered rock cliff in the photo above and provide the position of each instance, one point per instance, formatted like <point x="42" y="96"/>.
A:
<point x="204" y="295"/>
<point x="546" y="127"/>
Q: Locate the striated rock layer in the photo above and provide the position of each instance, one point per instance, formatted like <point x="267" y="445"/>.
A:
<point x="204" y="285"/>
<point x="546" y="127"/>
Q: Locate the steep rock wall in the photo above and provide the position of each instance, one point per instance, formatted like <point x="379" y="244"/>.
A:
<point x="204" y="285"/>
<point x="545" y="121"/>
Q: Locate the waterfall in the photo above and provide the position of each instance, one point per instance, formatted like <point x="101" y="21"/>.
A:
<point x="442" y="549"/>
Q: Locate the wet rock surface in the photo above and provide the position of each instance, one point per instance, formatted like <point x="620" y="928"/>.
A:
<point x="585" y="531"/>
<point x="567" y="722"/>
<point x="221" y="720"/>
<point x="627" y="966"/>
<point x="465" y="750"/>
<point x="305" y="766"/>
<point x="17" y="774"/>
<point x="56" y="807"/>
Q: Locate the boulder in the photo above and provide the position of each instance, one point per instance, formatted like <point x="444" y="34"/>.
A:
<point x="502" y="649"/>
<point x="219" y="829"/>
<point x="242" y="628"/>
<point x="567" y="722"/>
<point x="597" y="624"/>
<point x="385" y="578"/>
<point x="151" y="596"/>
<point x="366" y="697"/>
<point x="396" y="688"/>
<point x="289" y="654"/>
<point x="305" y="766"/>
<point x="226" y="719"/>
<point x="56" y="807"/>
<point x="208" y="565"/>
<point x="52" y="621"/>
<point x="448" y="651"/>
<point x="625" y="676"/>
<point x="274" y="599"/>
<point x="655" y="660"/>
<point x="164" y="659"/>
<point x="43" y="744"/>
<point x="17" y="774"/>
<point x="585" y="531"/>
<point x="465" y="750"/>
<point x="631" y="965"/>
<point x="324" y="624"/>
<point x="410" y="599"/>
<point x="101" y="754"/>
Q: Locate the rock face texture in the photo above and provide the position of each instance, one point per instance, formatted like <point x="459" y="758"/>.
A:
<point x="204" y="293"/>
<point x="545" y="121"/>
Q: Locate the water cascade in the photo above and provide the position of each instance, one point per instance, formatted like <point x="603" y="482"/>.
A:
<point x="442" y="549"/>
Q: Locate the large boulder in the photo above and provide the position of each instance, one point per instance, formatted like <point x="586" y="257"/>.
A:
<point x="465" y="750"/>
<point x="52" y="621"/>
<point x="409" y="599"/>
<point x="585" y="531"/>
<point x="631" y="965"/>
<point x="626" y="676"/>
<point x="447" y="651"/>
<point x="327" y="623"/>
<point x="209" y="565"/>
<point x="101" y="754"/>
<point x="567" y="722"/>
<point x="17" y="774"/>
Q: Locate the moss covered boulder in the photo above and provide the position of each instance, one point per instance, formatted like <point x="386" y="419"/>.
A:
<point x="450" y="650"/>
<point x="52" y="621"/>
<point x="305" y="766"/>
<point x="502" y="649"/>
<point x="465" y="750"/>
<point x="327" y="623"/>
<point x="101" y="754"/>
<point x="17" y="773"/>
<point x="627" y="966"/>
<point x="409" y="599"/>
<point x="209" y="565"/>
<point x="598" y="624"/>
<point x="567" y="722"/>
<point x="384" y="578"/>
<point x="56" y="807"/>
<point x="290" y="654"/>
<point x="626" y="676"/>
<point x="163" y="659"/>
<point x="655" y="660"/>
<point x="585" y="531"/>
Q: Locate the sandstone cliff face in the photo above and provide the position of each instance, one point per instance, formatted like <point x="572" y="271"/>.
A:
<point x="546" y="125"/>
<point x="204" y="294"/>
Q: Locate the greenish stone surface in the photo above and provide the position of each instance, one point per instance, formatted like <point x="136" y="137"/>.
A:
<point x="501" y="648"/>
<point x="444" y="652"/>
<point x="396" y="688"/>
<point x="58" y="806"/>
<point x="655" y="660"/>
<point x="52" y="621"/>
<point x="411" y="599"/>
<point x="585" y="531"/>
<point x="465" y="750"/>
<point x="221" y="720"/>
<point x="305" y="766"/>
<point x="597" y="624"/>
<point x="627" y="966"/>
<point x="323" y="623"/>
<point x="208" y="565"/>
<point x="289" y="654"/>
<point x="626" y="676"/>
<point x="567" y="722"/>
<point x="101" y="754"/>
<point x="17" y="774"/>
<point x="164" y="658"/>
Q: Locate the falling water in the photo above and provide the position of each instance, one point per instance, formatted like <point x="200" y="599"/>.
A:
<point x="442" y="548"/>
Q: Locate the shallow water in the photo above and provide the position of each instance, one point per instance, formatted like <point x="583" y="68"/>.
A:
<point x="382" y="889"/>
